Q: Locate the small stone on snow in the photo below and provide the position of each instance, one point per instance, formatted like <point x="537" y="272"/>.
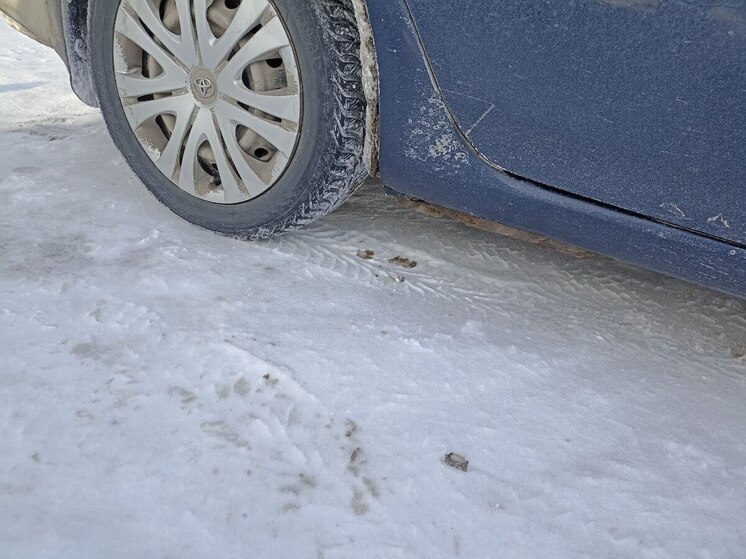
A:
<point x="403" y="262"/>
<point x="457" y="461"/>
<point x="366" y="254"/>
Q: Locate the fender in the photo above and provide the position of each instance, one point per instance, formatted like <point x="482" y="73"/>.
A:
<point x="38" y="19"/>
<point x="63" y="26"/>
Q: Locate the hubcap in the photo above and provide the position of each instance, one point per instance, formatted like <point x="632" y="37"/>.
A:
<point x="212" y="91"/>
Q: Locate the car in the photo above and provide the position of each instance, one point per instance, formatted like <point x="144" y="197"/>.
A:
<point x="614" y="125"/>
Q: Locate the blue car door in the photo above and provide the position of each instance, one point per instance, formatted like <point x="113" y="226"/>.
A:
<point x="638" y="104"/>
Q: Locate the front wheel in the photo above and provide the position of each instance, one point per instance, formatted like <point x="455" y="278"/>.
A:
<point x="245" y="117"/>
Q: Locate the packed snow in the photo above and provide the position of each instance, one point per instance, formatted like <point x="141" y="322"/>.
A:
<point x="167" y="392"/>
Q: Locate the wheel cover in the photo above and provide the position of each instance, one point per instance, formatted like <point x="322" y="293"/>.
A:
<point x="211" y="89"/>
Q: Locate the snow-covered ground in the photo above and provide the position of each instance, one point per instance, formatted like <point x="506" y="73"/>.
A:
<point x="166" y="392"/>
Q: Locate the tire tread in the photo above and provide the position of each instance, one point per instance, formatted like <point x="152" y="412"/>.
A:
<point x="345" y="170"/>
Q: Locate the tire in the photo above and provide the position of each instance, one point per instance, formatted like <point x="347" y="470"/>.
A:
<point x="327" y="164"/>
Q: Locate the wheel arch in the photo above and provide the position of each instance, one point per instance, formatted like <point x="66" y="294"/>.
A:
<point x="369" y="60"/>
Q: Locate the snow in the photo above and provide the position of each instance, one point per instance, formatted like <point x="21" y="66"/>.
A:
<point x="166" y="392"/>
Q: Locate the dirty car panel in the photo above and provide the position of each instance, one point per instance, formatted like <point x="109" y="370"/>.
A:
<point x="425" y="154"/>
<point x="641" y="105"/>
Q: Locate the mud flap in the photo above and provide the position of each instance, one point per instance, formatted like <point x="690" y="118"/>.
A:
<point x="77" y="43"/>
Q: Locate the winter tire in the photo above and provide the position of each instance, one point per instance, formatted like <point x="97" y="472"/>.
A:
<point x="246" y="117"/>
